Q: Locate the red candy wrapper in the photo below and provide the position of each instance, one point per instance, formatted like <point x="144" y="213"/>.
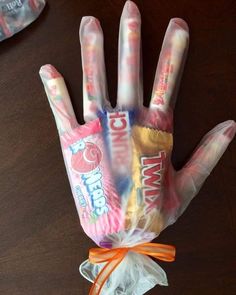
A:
<point x="119" y="166"/>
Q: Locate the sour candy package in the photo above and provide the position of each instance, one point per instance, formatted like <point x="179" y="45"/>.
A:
<point x="119" y="162"/>
<point x="15" y="15"/>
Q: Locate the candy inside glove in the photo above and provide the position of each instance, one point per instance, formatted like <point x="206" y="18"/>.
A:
<point x="125" y="188"/>
<point x="15" y="15"/>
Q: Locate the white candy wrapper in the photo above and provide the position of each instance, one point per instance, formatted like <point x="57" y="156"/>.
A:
<point x="119" y="165"/>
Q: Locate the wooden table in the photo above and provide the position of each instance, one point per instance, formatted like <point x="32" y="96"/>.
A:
<point x="41" y="240"/>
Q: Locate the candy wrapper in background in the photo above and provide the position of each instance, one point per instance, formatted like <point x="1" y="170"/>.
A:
<point x="15" y="15"/>
<point x="119" y="166"/>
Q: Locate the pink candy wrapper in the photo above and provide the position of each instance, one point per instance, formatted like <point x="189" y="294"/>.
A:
<point x="119" y="166"/>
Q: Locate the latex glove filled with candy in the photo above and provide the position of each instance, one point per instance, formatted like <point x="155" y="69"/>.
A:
<point x="15" y="15"/>
<point x="124" y="185"/>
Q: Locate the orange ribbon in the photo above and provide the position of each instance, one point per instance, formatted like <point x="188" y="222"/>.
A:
<point x="113" y="257"/>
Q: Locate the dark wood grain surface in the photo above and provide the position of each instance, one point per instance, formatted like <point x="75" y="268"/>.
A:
<point x="41" y="240"/>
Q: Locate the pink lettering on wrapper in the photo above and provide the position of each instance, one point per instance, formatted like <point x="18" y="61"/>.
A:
<point x="96" y="198"/>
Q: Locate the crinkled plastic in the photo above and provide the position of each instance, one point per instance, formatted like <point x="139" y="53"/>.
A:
<point x="119" y="163"/>
<point x="15" y="15"/>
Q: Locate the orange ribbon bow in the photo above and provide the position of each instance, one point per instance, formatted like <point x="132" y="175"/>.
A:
<point x="113" y="257"/>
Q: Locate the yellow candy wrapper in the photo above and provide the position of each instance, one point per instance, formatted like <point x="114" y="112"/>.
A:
<point x="151" y="151"/>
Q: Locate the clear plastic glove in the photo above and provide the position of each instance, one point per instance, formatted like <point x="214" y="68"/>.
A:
<point x="15" y="15"/>
<point x="125" y="188"/>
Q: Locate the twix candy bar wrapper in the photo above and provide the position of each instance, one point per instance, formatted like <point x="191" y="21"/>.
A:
<point x="151" y="151"/>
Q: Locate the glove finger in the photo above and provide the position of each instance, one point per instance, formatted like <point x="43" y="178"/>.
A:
<point x="94" y="74"/>
<point x="192" y="176"/>
<point x="129" y="58"/>
<point x="170" y="65"/>
<point x="58" y="98"/>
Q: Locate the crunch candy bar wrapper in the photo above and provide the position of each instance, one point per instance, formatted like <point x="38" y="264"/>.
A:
<point x="124" y="186"/>
<point x="15" y="15"/>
